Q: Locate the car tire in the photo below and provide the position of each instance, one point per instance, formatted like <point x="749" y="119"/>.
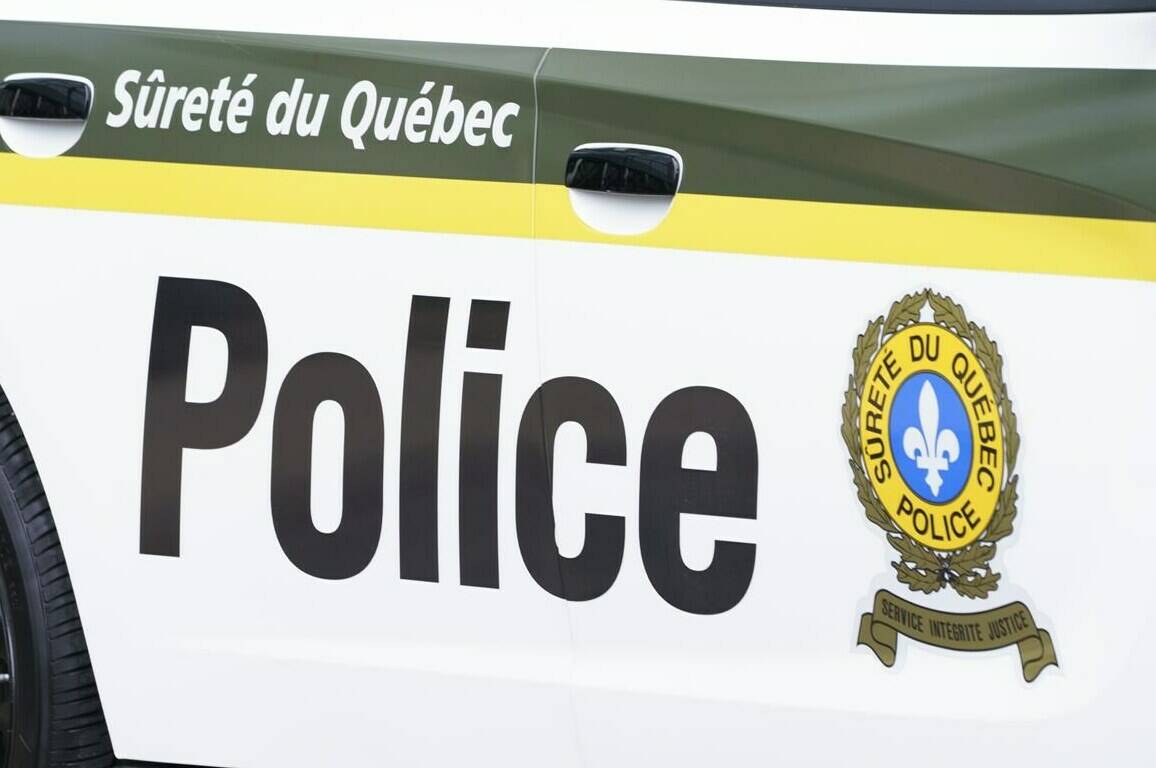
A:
<point x="50" y="713"/>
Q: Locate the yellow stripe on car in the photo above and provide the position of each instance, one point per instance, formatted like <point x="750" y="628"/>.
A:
<point x="1008" y="242"/>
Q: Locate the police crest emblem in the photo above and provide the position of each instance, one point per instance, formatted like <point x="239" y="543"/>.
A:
<point x="933" y="445"/>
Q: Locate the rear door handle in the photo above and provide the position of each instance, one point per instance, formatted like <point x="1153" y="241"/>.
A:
<point x="623" y="189"/>
<point x="45" y="98"/>
<point x="624" y="169"/>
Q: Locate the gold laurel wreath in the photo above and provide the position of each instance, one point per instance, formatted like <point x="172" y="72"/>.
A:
<point x="968" y="571"/>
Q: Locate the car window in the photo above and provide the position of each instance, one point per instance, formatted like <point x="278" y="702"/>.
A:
<point x="961" y="6"/>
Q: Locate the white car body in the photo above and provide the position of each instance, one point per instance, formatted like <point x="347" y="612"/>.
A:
<point x="228" y="655"/>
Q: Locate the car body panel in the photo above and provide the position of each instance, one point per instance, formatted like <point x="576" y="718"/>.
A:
<point x="834" y="163"/>
<point x="847" y="187"/>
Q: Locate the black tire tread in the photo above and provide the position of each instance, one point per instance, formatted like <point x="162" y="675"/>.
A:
<point x="78" y="735"/>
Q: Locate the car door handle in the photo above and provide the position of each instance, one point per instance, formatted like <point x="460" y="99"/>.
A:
<point x="624" y="169"/>
<point x="45" y="98"/>
<point x="623" y="189"/>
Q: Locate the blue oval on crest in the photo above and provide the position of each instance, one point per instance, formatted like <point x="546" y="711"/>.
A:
<point x="931" y="437"/>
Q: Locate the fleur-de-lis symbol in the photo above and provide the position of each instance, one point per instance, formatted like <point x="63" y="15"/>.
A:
<point x="931" y="449"/>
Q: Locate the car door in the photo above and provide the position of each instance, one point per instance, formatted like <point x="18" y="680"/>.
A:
<point x="270" y="325"/>
<point x="767" y="591"/>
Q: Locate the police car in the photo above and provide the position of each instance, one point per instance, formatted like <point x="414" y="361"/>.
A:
<point x="632" y="382"/>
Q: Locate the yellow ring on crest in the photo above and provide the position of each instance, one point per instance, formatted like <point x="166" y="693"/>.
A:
<point x="926" y="347"/>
